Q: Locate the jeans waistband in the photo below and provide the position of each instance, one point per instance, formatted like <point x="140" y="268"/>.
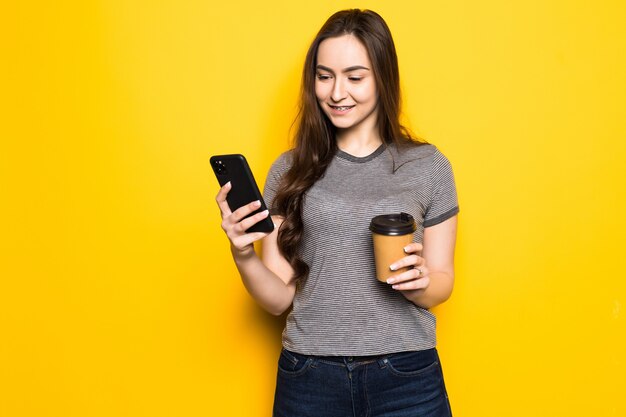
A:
<point x="355" y="359"/>
<point x="344" y="360"/>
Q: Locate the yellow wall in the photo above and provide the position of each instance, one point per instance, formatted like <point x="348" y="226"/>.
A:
<point x="117" y="293"/>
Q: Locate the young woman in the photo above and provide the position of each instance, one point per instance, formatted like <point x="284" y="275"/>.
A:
<point x="352" y="346"/>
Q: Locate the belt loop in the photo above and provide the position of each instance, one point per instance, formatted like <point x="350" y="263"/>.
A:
<point x="382" y="362"/>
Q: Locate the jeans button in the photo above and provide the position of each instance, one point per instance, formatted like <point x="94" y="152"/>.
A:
<point x="350" y="359"/>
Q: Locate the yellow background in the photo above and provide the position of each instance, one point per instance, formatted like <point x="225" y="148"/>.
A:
<point x="118" y="296"/>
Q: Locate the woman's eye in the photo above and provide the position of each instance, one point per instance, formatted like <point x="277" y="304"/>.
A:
<point x="323" y="77"/>
<point x="355" y="78"/>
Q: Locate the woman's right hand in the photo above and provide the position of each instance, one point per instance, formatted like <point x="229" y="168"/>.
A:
<point x="235" y="225"/>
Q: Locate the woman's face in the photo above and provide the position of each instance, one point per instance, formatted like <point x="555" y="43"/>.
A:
<point x="344" y="84"/>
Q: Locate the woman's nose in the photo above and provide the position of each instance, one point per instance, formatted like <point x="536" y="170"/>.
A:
<point x="338" y="92"/>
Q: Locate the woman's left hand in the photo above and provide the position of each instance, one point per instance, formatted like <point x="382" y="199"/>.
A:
<point x="415" y="278"/>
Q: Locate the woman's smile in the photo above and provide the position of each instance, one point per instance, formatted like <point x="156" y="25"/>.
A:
<point x="340" y="110"/>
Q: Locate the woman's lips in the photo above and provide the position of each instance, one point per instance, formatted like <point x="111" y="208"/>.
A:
<point x="339" y="110"/>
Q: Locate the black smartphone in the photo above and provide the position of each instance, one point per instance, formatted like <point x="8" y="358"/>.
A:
<point x="235" y="168"/>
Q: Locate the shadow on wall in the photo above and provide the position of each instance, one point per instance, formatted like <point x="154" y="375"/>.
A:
<point x="276" y="139"/>
<point x="280" y="126"/>
<point x="272" y="326"/>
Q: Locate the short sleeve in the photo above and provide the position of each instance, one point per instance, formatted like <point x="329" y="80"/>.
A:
<point x="443" y="203"/>
<point x="272" y="183"/>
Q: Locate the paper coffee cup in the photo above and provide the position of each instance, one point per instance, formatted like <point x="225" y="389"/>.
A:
<point x="390" y="234"/>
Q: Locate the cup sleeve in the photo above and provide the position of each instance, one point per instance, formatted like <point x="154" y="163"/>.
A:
<point x="444" y="201"/>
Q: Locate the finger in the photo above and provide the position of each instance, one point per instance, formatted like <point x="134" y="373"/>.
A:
<point x="241" y="242"/>
<point x="413" y="247"/>
<point x="416" y="284"/>
<point x="247" y="223"/>
<point x="412" y="274"/>
<point x="233" y="228"/>
<point x="411" y="260"/>
<point x="243" y="211"/>
<point x="221" y="199"/>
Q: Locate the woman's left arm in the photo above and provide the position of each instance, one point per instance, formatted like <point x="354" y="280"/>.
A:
<point x="430" y="281"/>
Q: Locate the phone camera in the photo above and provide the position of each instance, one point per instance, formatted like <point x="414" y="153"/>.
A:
<point x="220" y="168"/>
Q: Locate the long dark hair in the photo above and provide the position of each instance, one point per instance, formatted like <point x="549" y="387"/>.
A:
<point x="315" y="143"/>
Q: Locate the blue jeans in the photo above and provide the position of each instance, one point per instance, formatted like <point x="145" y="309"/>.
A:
<point x="407" y="384"/>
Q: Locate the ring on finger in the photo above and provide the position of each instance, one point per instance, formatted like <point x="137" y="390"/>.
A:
<point x="419" y="272"/>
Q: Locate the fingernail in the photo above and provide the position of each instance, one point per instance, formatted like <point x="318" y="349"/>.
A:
<point x="405" y="249"/>
<point x="392" y="267"/>
<point x="257" y="203"/>
<point x="228" y="184"/>
<point x="395" y="287"/>
<point x="265" y="212"/>
<point x="391" y="281"/>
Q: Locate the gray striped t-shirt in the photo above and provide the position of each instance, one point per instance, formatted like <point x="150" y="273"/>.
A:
<point x="340" y="308"/>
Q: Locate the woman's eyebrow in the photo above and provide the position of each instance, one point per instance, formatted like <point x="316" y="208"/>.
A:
<point x="349" y="69"/>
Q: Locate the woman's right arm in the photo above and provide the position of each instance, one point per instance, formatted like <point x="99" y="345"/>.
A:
<point x="269" y="281"/>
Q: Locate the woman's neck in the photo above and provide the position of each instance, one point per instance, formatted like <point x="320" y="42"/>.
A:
<point x="358" y="144"/>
